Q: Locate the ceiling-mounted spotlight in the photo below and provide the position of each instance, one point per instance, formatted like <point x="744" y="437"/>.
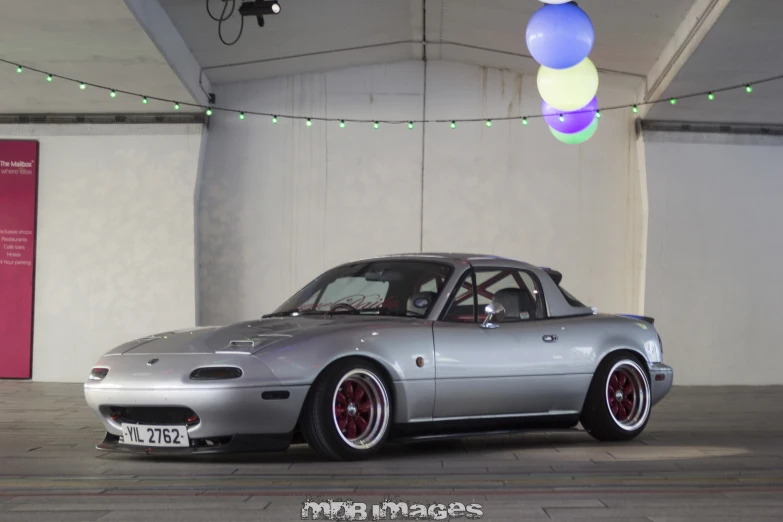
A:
<point x="259" y="8"/>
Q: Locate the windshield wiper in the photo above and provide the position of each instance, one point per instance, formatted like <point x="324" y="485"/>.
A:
<point x="379" y="311"/>
<point x="285" y="313"/>
<point x="341" y="311"/>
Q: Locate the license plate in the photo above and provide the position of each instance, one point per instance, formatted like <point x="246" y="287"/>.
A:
<point x="155" y="436"/>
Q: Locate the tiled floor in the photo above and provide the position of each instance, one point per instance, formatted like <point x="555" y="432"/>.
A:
<point x="708" y="454"/>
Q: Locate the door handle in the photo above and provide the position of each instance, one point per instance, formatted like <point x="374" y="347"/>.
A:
<point x="550" y="338"/>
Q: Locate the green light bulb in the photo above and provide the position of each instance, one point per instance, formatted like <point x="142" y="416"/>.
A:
<point x="19" y="69"/>
<point x="241" y="115"/>
<point x="597" y="114"/>
<point x="710" y="96"/>
<point x="748" y="88"/>
<point x="342" y="124"/>
<point x="309" y="122"/>
<point x="375" y="125"/>
<point x="673" y="101"/>
<point x="410" y="124"/>
<point x="113" y="93"/>
<point x="209" y="112"/>
<point x="453" y="124"/>
<point x="176" y="106"/>
<point x="524" y="121"/>
<point x="82" y="86"/>
<point x="489" y="123"/>
<point x="635" y="109"/>
<point x="274" y="119"/>
<point x="144" y="100"/>
<point x="49" y="78"/>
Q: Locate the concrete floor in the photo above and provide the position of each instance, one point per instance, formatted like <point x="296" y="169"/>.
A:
<point x="708" y="454"/>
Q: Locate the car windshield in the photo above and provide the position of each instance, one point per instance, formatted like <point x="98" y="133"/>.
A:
<point x="400" y="288"/>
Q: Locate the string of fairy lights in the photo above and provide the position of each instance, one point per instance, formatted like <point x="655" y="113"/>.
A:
<point x="209" y="110"/>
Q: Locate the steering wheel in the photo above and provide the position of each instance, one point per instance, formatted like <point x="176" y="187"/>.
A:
<point x="350" y="308"/>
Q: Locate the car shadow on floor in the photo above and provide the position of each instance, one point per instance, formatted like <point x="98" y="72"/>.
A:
<point x="537" y="445"/>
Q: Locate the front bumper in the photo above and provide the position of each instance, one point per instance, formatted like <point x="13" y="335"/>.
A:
<point x="222" y="412"/>
<point x="661" y="380"/>
<point x="232" y="444"/>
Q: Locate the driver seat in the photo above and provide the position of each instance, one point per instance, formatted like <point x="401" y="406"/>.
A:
<point x="518" y="304"/>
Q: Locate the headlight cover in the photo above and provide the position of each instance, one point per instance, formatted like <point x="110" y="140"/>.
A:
<point x="653" y="350"/>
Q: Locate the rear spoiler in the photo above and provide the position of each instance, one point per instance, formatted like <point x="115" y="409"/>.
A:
<point x="556" y="276"/>
<point x="639" y="318"/>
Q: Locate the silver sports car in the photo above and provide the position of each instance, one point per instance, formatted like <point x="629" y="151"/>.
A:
<point x="392" y="348"/>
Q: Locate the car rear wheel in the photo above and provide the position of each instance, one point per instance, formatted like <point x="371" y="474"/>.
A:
<point x="618" y="402"/>
<point x="348" y="411"/>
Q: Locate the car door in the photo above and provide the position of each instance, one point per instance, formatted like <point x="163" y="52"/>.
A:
<point x="523" y="365"/>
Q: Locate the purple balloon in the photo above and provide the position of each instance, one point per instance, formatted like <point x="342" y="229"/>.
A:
<point x="560" y="36"/>
<point x="574" y="121"/>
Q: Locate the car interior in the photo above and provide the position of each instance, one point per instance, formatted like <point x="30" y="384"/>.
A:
<point x="505" y="287"/>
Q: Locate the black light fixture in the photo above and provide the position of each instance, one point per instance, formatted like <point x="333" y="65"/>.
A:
<point x="259" y="8"/>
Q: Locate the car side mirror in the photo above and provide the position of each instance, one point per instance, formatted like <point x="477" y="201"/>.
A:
<point x="495" y="314"/>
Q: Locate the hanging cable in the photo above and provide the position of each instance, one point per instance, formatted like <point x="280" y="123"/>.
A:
<point x="224" y="17"/>
<point x="224" y="10"/>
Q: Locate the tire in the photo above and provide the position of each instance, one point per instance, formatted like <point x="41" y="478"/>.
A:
<point x="617" y="407"/>
<point x="347" y="414"/>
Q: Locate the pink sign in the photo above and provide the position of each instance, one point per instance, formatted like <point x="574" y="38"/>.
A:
<point x="18" y="209"/>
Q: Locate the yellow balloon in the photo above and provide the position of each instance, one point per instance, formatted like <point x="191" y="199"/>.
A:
<point x="568" y="89"/>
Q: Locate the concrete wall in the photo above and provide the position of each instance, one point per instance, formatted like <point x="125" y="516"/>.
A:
<point x="282" y="202"/>
<point x="115" y="246"/>
<point x="714" y="256"/>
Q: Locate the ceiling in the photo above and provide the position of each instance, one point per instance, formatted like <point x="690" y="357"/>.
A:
<point x="101" y="42"/>
<point x="302" y="27"/>
<point x="313" y="35"/>
<point x="744" y="44"/>
<point x="96" y="41"/>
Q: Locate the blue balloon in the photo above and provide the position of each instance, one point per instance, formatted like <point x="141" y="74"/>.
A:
<point x="560" y="36"/>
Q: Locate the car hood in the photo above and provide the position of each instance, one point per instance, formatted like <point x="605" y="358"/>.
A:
<point x="240" y="338"/>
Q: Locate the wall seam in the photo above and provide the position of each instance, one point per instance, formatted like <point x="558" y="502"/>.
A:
<point x="423" y="125"/>
<point x="196" y="227"/>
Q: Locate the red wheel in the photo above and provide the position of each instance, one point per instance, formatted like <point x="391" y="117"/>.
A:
<point x="361" y="409"/>
<point x="352" y="409"/>
<point x="348" y="413"/>
<point x="627" y="395"/>
<point x="618" y="402"/>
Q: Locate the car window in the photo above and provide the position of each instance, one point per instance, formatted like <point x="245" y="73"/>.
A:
<point x="573" y="301"/>
<point x="431" y="284"/>
<point x="462" y="309"/>
<point x="516" y="290"/>
<point x="382" y="287"/>
<point x="354" y="291"/>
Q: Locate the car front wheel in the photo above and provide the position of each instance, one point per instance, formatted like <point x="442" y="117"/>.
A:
<point x="348" y="412"/>
<point x="618" y="402"/>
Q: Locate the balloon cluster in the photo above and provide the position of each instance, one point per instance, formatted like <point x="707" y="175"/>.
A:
<point x="560" y="37"/>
